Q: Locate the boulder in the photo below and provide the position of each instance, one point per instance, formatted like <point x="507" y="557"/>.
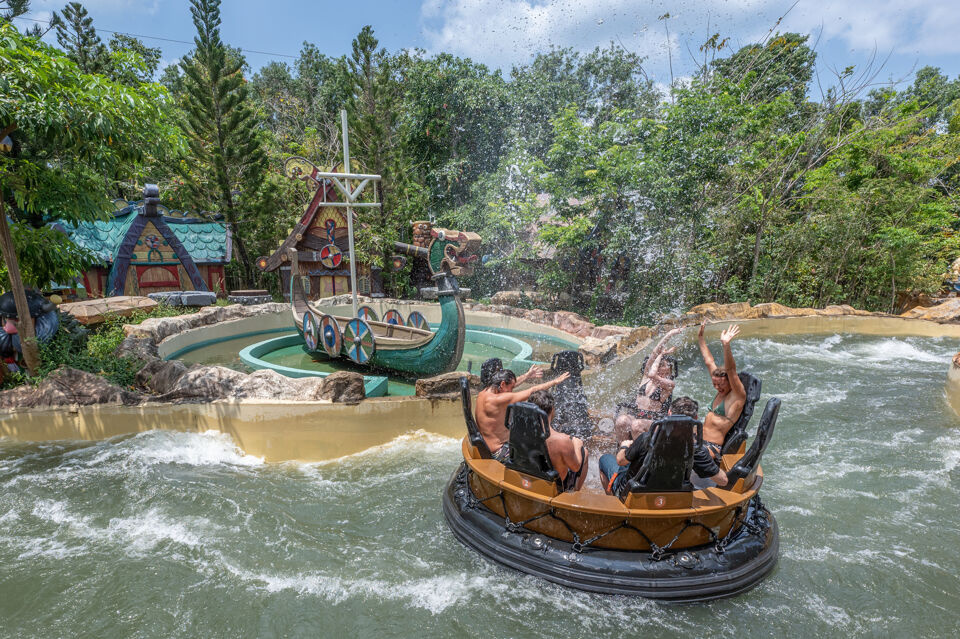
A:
<point x="446" y="385"/>
<point x="68" y="387"/>
<point x="947" y="312"/>
<point x="137" y="347"/>
<point x="637" y="338"/>
<point x="160" y="376"/>
<point x="598" y="351"/>
<point x="610" y="329"/>
<point x="344" y="387"/>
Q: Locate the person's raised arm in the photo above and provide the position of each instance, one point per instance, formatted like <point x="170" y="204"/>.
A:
<point x="535" y="372"/>
<point x="654" y="373"/>
<point x="521" y="396"/>
<point x="729" y="364"/>
<point x="704" y="351"/>
<point x="658" y="350"/>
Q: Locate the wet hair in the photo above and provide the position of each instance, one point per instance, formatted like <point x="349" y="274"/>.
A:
<point x="502" y="376"/>
<point x="718" y="372"/>
<point x="542" y="399"/>
<point x="685" y="406"/>
<point x="666" y="359"/>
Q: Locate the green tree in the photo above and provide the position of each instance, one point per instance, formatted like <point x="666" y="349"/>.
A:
<point x="70" y="129"/>
<point x="226" y="152"/>
<point x="77" y="37"/>
<point x="131" y="61"/>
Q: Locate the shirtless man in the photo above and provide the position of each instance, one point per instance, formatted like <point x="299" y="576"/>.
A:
<point x="654" y="393"/>
<point x="731" y="395"/>
<point x="492" y="405"/>
<point x="567" y="453"/>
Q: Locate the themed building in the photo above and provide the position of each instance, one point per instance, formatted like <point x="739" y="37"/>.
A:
<point x="322" y="244"/>
<point x="145" y="248"/>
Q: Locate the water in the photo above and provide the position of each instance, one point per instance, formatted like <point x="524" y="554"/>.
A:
<point x="172" y="534"/>
<point x="226" y="353"/>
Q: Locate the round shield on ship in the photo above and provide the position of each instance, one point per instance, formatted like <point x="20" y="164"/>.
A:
<point x="416" y="320"/>
<point x="311" y="333"/>
<point x="367" y="314"/>
<point x="330" y="256"/>
<point x="330" y="337"/>
<point x="393" y="316"/>
<point x="359" y="341"/>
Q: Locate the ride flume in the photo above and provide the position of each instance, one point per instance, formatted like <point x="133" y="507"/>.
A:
<point x="660" y="538"/>
<point x="404" y="346"/>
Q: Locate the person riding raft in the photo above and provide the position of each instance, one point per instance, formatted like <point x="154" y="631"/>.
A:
<point x="654" y="393"/>
<point x="728" y="403"/>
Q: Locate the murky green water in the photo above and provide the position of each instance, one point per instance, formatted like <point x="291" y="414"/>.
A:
<point x="170" y="534"/>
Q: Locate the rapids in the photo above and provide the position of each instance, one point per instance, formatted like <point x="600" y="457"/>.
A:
<point x="176" y="534"/>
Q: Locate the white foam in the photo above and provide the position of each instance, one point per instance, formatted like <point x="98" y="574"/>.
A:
<point x="434" y="594"/>
<point x="209" y="448"/>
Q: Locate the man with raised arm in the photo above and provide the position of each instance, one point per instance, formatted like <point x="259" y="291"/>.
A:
<point x="492" y="405"/>
<point x="731" y="395"/>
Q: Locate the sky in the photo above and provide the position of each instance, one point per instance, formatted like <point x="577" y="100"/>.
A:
<point x="898" y="37"/>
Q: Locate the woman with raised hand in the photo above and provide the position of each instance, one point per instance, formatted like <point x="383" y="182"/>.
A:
<point x="654" y="393"/>
<point x="731" y="395"/>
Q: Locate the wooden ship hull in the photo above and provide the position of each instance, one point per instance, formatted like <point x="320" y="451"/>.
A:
<point x="403" y="349"/>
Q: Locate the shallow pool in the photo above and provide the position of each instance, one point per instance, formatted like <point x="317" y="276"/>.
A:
<point x="171" y="534"/>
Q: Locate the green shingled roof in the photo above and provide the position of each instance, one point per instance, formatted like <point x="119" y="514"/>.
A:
<point x="101" y="237"/>
<point x="206" y="242"/>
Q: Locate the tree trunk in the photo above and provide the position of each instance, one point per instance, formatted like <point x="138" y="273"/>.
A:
<point x="28" y="339"/>
<point x="756" y="244"/>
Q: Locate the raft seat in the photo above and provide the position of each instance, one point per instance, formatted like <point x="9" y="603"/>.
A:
<point x="662" y="478"/>
<point x="529" y="466"/>
<point x="743" y="475"/>
<point x="488" y="369"/>
<point x="480" y="448"/>
<point x="735" y="441"/>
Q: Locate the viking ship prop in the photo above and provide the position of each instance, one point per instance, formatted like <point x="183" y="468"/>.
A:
<point x="660" y="537"/>
<point x="401" y="344"/>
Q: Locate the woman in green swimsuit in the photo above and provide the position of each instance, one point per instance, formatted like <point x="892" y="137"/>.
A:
<point x="731" y="395"/>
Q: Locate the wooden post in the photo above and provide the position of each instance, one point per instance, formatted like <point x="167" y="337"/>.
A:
<point x="25" y="328"/>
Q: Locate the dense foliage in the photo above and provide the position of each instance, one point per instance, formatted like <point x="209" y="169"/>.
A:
<point x="584" y="176"/>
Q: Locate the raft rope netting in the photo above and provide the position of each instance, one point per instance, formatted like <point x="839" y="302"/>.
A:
<point x="758" y="526"/>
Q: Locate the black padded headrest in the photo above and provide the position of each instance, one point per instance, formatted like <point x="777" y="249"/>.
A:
<point x="669" y="459"/>
<point x="488" y="369"/>
<point x="529" y="430"/>
<point x="473" y="431"/>
<point x="751" y="459"/>
<point x="738" y="432"/>
<point x="568" y="362"/>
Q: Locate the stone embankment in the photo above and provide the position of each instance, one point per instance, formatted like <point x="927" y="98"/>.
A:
<point x="173" y="381"/>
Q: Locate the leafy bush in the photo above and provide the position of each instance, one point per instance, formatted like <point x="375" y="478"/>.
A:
<point x="93" y="350"/>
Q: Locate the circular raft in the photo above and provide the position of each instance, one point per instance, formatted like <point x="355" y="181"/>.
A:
<point x="311" y="333"/>
<point x="393" y="317"/>
<point x="359" y="341"/>
<point x="330" y="256"/>
<point x="416" y="320"/>
<point x="330" y="336"/>
<point x="713" y="571"/>
<point x="367" y="314"/>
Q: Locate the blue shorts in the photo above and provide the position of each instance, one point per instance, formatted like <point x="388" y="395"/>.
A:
<point x="614" y="472"/>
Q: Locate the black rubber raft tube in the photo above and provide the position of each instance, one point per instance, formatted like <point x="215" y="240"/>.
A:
<point x="681" y="575"/>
